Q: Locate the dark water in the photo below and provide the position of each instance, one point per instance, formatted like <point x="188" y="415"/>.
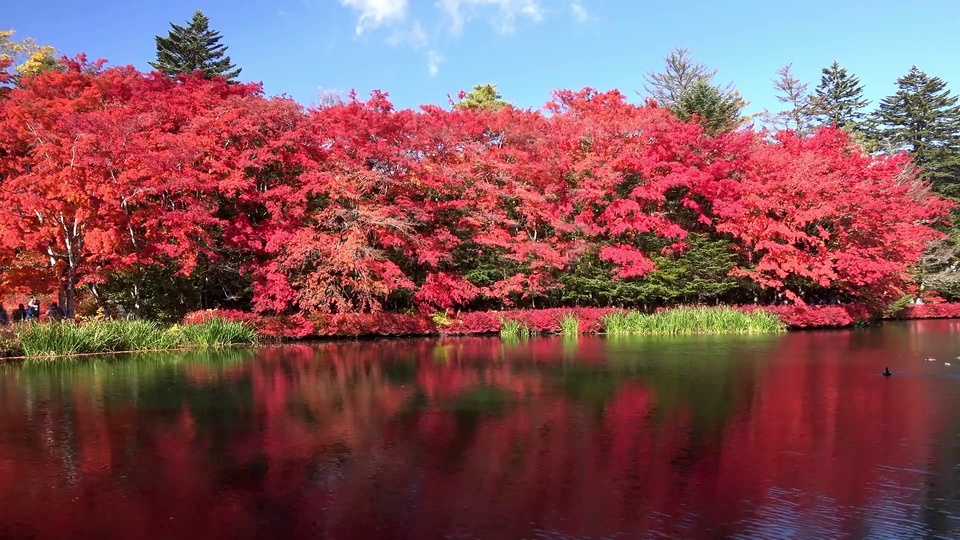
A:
<point x="793" y="436"/>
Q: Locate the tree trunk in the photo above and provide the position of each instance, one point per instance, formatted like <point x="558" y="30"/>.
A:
<point x="70" y="293"/>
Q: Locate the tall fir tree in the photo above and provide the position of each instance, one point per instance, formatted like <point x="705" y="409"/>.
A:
<point x="187" y="49"/>
<point x="923" y="118"/>
<point x="680" y="73"/>
<point x="839" y="98"/>
<point x="791" y="91"/>
<point x="716" y="110"/>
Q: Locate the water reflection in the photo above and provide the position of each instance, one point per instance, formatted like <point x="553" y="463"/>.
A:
<point x="784" y="436"/>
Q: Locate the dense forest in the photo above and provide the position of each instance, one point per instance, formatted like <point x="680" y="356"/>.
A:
<point x="154" y="194"/>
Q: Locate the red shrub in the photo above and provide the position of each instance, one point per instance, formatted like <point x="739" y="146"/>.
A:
<point x="294" y="326"/>
<point x="806" y="316"/>
<point x="538" y="320"/>
<point x="474" y="322"/>
<point x="930" y="311"/>
<point x="199" y="317"/>
<point x="380" y="324"/>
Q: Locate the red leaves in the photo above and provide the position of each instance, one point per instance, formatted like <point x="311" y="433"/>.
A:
<point x="446" y="291"/>
<point x="807" y="317"/>
<point x="291" y="327"/>
<point x="819" y="209"/>
<point x="478" y="322"/>
<point x="107" y="170"/>
<point x="350" y="206"/>
<point x="543" y="321"/>
<point x="632" y="263"/>
<point x="930" y="311"/>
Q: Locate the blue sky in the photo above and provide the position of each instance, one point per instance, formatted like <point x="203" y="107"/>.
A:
<point x="419" y="51"/>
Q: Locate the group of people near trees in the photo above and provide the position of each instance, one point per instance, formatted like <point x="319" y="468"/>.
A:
<point x="30" y="312"/>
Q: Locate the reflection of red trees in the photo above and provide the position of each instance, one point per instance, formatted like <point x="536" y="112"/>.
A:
<point x="380" y="439"/>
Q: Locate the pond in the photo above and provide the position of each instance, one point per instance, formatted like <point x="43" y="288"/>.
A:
<point x="787" y="436"/>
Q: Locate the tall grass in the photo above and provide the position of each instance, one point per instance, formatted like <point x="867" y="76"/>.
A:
<point x="216" y="333"/>
<point x="719" y="320"/>
<point x="66" y="338"/>
<point x="570" y="325"/>
<point x="513" y="329"/>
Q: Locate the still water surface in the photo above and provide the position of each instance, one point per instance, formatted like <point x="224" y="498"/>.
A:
<point x="792" y="436"/>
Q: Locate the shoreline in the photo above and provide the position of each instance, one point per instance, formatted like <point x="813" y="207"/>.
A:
<point x="400" y="337"/>
<point x="21" y="359"/>
<point x="541" y="322"/>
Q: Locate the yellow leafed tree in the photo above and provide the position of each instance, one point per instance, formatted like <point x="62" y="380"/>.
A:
<point x="27" y="56"/>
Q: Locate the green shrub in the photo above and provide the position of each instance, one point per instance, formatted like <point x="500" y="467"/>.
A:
<point x="719" y="320"/>
<point x="898" y="307"/>
<point x="216" y="333"/>
<point x="9" y="344"/>
<point x="440" y="318"/>
<point x="68" y="338"/>
<point x="570" y="325"/>
<point x="513" y="329"/>
<point x="618" y="322"/>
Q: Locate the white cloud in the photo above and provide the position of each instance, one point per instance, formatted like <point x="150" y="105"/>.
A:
<point x="454" y="15"/>
<point x="433" y="62"/>
<point x="461" y="11"/>
<point x="579" y="12"/>
<point x="375" y="13"/>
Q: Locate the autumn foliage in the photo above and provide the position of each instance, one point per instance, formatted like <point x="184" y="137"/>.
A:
<point x="929" y="311"/>
<point x="359" y="207"/>
<point x="540" y="321"/>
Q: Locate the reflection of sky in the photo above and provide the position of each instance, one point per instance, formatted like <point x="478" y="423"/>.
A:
<point x="792" y="513"/>
<point x="894" y="510"/>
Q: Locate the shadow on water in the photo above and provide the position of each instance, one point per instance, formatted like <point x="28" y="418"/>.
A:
<point x="792" y="435"/>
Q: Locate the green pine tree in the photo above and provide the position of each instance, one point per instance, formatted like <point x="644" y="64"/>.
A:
<point x="187" y="49"/>
<point x="715" y="110"/>
<point x="839" y="98"/>
<point x="923" y="119"/>
<point x="483" y="96"/>
<point x="680" y="73"/>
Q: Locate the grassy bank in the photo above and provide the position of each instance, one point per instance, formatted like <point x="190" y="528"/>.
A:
<point x="514" y="323"/>
<point x="514" y="329"/>
<point x="67" y="338"/>
<point x="678" y="321"/>
<point x="712" y="320"/>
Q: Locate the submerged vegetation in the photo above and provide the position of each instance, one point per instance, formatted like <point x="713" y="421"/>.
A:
<point x="64" y="339"/>
<point x="719" y="320"/>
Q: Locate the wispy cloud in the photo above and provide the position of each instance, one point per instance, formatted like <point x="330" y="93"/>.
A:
<point x="376" y="13"/>
<point x="504" y="18"/>
<point x="433" y="62"/>
<point x="449" y="18"/>
<point x="414" y="36"/>
<point x="579" y="12"/>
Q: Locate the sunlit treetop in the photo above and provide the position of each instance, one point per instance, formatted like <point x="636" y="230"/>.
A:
<point x="25" y="57"/>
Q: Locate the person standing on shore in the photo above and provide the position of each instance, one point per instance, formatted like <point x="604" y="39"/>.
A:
<point x="33" y="309"/>
<point x="19" y="314"/>
<point x="54" y="313"/>
<point x="4" y="318"/>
